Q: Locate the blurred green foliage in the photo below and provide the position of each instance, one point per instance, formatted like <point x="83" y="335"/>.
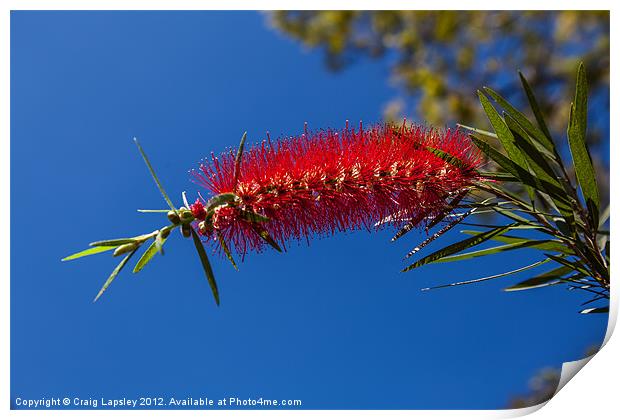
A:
<point x="543" y="385"/>
<point x="440" y="58"/>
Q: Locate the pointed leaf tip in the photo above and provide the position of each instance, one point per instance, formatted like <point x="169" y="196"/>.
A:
<point x="154" y="175"/>
<point x="87" y="252"/>
<point x="577" y="129"/>
<point x="238" y="159"/>
<point x="206" y="265"/>
<point x="114" y="273"/>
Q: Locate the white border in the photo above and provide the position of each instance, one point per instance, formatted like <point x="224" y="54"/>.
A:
<point x="592" y="396"/>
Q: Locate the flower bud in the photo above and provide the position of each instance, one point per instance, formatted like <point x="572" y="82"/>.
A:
<point x="185" y="230"/>
<point x="173" y="217"/>
<point x="186" y="216"/>
<point x="125" y="248"/>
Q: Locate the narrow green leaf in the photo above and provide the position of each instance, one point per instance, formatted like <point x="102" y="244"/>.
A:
<point x="154" y="175"/>
<point x="250" y="216"/>
<point x="260" y="231"/>
<point x="206" y="265"/>
<point x="477" y="130"/>
<point x="440" y="232"/>
<point x="547" y="279"/>
<point x="160" y="238"/>
<point x="451" y="206"/>
<point x="577" y="128"/>
<point x="114" y="273"/>
<point x="608" y="252"/>
<point x="152" y="211"/>
<point x="219" y="200"/>
<point x="501" y="191"/>
<point x="536" y="110"/>
<point x="543" y="244"/>
<point x="593" y="259"/>
<point x="498" y="176"/>
<point x="536" y="244"/>
<point x="520" y="172"/>
<point x="226" y="250"/>
<point x="534" y="131"/>
<point x="114" y="242"/>
<point x="575" y="265"/>
<point x="535" y="159"/>
<point x="238" y="159"/>
<point x="542" y="170"/>
<point x="495" y="276"/>
<point x="604" y="217"/>
<point x="447" y="157"/>
<point x="458" y="246"/>
<point x="147" y="256"/>
<point x="438" y="218"/>
<point x="87" y="252"/>
<point x="602" y="310"/>
<point x="503" y="132"/>
<point x="511" y="215"/>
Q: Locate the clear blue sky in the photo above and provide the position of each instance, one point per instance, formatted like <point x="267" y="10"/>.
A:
<point x="334" y="324"/>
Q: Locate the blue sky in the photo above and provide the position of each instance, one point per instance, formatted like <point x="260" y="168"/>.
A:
<point x="334" y="324"/>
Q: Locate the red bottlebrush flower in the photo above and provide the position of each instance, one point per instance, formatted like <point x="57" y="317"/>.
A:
<point x="327" y="181"/>
<point x="198" y="210"/>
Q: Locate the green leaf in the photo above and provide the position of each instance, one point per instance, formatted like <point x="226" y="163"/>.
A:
<point x="577" y="128"/>
<point x="152" y="171"/>
<point x="503" y="132"/>
<point x="495" y="276"/>
<point x="458" y="246"/>
<point x="604" y="217"/>
<point x="206" y="265"/>
<point x="537" y="162"/>
<point x="250" y="216"/>
<point x="114" y="273"/>
<point x="511" y="215"/>
<point x="152" y="211"/>
<point x="114" y="242"/>
<point x="534" y="131"/>
<point x="520" y="172"/>
<point x="226" y="250"/>
<point x="503" y="192"/>
<point x="593" y="259"/>
<point x="477" y="130"/>
<point x="451" y="206"/>
<point x="608" y="252"/>
<point x="160" y="239"/>
<point x="87" y="252"/>
<point x="453" y="203"/>
<point x="498" y="176"/>
<point x="543" y="244"/>
<point x="523" y="243"/>
<point x="447" y="157"/>
<point x="547" y="279"/>
<point x="575" y="265"/>
<point x="536" y="110"/>
<point x="146" y="257"/>
<point x="602" y="310"/>
<point x="260" y="231"/>
<point x="238" y="160"/>
<point x="219" y="200"/>
<point x="440" y="232"/>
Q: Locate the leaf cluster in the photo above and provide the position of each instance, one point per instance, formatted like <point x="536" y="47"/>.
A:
<point x="565" y="213"/>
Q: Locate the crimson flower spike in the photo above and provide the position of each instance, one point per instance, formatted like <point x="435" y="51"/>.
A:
<point x="328" y="181"/>
<point x="317" y="183"/>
